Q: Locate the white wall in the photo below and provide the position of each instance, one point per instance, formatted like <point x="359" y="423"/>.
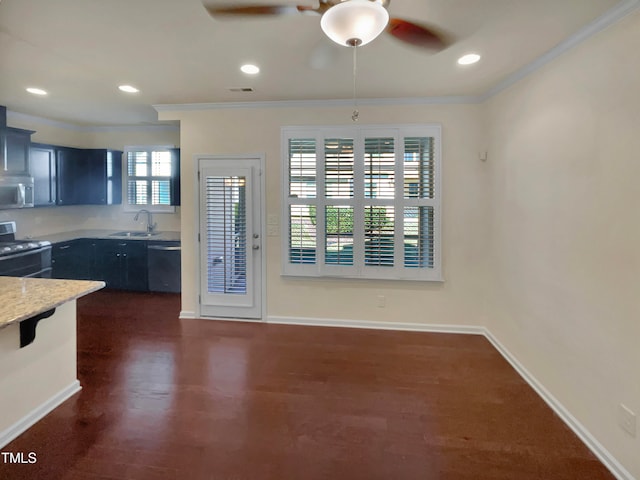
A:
<point x="31" y="378"/>
<point x="565" y="234"/>
<point x="456" y="301"/>
<point x="45" y="220"/>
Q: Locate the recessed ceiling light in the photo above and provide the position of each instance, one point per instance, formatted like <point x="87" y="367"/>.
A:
<point x="36" y="91"/>
<point x="250" y="69"/>
<point x="128" y="89"/>
<point x="468" y="59"/>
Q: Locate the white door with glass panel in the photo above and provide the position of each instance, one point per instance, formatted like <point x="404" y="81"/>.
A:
<point x="230" y="237"/>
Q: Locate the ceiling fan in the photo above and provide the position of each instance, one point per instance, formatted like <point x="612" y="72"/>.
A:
<point x="341" y="20"/>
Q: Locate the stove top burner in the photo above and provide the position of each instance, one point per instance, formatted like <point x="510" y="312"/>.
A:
<point x="17" y="246"/>
<point x="9" y="245"/>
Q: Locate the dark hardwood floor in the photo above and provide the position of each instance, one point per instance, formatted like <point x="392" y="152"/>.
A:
<point x="177" y="399"/>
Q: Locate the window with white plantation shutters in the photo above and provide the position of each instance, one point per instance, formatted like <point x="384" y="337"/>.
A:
<point x="150" y="177"/>
<point x="362" y="202"/>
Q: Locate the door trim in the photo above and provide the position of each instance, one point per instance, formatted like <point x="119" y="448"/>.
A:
<point x="260" y="157"/>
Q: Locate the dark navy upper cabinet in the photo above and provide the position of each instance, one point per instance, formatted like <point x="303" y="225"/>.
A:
<point x="76" y="176"/>
<point x="15" y="144"/>
<point x="72" y="175"/>
<point x="43" y="170"/>
<point x="104" y="177"/>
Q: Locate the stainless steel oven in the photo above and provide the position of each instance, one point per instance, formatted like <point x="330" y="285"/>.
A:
<point x="23" y="258"/>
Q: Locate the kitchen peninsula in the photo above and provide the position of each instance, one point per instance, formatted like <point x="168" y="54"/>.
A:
<point x="37" y="373"/>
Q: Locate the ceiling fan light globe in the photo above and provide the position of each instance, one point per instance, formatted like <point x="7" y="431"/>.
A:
<point x="354" y="22"/>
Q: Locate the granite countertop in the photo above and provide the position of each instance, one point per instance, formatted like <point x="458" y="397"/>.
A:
<point x="167" y="236"/>
<point x="23" y="298"/>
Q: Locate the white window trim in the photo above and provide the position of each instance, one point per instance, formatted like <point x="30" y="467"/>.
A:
<point x="134" y="208"/>
<point x="359" y="270"/>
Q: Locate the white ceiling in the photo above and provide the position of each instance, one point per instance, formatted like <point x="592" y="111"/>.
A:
<point x="175" y="53"/>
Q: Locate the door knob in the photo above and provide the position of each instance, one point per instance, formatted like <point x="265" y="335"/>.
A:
<point x="256" y="247"/>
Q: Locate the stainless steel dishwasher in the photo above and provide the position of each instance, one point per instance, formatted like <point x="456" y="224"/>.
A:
<point x="164" y="266"/>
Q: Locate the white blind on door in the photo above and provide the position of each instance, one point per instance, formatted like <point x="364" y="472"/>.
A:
<point x="226" y="234"/>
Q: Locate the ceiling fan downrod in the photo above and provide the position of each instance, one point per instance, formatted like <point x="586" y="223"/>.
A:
<point x="354" y="44"/>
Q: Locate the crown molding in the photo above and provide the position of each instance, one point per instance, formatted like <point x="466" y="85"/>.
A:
<point x="445" y="100"/>
<point x="610" y="17"/>
<point x="33" y="119"/>
<point x="23" y="117"/>
<point x="134" y="128"/>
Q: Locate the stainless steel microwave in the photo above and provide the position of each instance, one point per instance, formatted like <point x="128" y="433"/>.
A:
<point x="16" y="192"/>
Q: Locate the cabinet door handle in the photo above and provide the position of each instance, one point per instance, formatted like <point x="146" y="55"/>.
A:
<point x="64" y="247"/>
<point x="165" y="249"/>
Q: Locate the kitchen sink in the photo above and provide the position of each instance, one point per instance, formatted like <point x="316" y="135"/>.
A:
<point x="134" y="234"/>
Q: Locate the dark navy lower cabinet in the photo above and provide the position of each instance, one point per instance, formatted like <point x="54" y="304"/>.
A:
<point x="120" y="264"/>
<point x="69" y="260"/>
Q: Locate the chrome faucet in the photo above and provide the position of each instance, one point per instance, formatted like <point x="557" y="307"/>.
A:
<point x="150" y="225"/>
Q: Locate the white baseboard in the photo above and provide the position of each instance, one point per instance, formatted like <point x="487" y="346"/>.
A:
<point x="411" y="327"/>
<point x="583" y="434"/>
<point x="38" y="413"/>
<point x="187" y="314"/>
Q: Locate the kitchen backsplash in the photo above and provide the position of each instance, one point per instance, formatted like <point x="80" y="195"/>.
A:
<point x="33" y="222"/>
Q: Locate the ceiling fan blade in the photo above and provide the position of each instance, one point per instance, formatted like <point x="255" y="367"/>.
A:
<point x="418" y="35"/>
<point x="226" y="11"/>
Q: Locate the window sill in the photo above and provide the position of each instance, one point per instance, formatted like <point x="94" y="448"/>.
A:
<point x="151" y="208"/>
<point x="435" y="279"/>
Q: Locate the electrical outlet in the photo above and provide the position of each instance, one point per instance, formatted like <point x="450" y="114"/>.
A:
<point x="272" y="230"/>
<point x="382" y="301"/>
<point x="627" y="420"/>
<point x="272" y="219"/>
